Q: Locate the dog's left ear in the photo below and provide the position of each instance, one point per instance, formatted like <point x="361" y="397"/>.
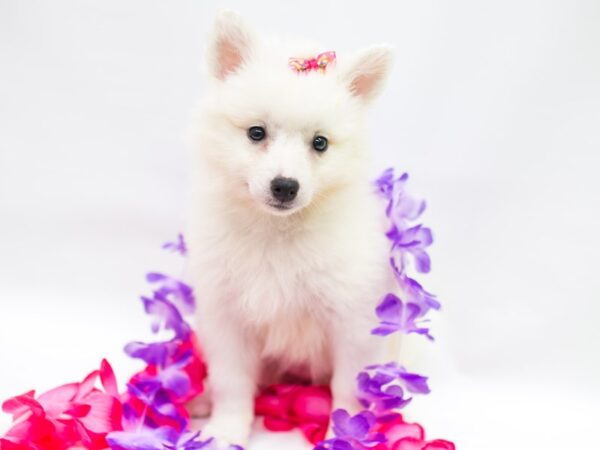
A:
<point x="366" y="73"/>
<point x="230" y="45"/>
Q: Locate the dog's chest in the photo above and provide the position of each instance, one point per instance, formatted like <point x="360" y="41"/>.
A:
<point x="282" y="293"/>
<point x="281" y="275"/>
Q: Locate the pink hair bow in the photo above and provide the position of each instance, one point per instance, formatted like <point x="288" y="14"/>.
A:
<point x="319" y="63"/>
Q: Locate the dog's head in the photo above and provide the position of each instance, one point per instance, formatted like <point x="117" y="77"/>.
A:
<point x="281" y="139"/>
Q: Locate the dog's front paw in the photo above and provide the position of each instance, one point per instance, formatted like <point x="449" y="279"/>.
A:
<point x="227" y="430"/>
<point x="199" y="407"/>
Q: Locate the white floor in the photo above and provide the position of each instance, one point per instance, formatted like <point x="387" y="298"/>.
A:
<point x="52" y="339"/>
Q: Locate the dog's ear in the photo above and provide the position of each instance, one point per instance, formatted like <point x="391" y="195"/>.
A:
<point x="230" y="45"/>
<point x="367" y="71"/>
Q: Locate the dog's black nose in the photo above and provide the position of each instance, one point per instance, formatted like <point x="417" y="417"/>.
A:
<point x="284" y="189"/>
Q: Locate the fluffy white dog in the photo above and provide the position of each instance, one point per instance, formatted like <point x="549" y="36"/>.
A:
<point x="288" y="252"/>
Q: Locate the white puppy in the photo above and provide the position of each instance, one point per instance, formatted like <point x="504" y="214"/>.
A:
<point x="288" y="252"/>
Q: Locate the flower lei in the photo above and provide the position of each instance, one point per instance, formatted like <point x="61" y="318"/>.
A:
<point x="151" y="413"/>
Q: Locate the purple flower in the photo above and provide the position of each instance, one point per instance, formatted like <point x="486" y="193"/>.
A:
<point x="151" y="392"/>
<point x="412" y="241"/>
<point x="166" y="315"/>
<point x="174" y="378"/>
<point x="394" y="315"/>
<point x="401" y="206"/>
<point x="178" y="246"/>
<point x="385" y="183"/>
<point x="380" y="393"/>
<point x="417" y="384"/>
<point x="416" y="294"/>
<point x="146" y="391"/>
<point x="155" y="353"/>
<point x="413" y="291"/>
<point x="401" y="209"/>
<point x="175" y="291"/>
<point x="352" y="432"/>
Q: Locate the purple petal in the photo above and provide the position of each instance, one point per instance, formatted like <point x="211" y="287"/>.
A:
<point x="403" y="207"/>
<point x="381" y="378"/>
<point x="340" y="420"/>
<point x="175" y="291"/>
<point x="145" y="390"/>
<point x="385" y="182"/>
<point x="397" y="316"/>
<point x="417" y="384"/>
<point x="389" y="309"/>
<point x="143" y="439"/>
<point x="164" y="406"/>
<point x="191" y="441"/>
<point x="413" y="382"/>
<point x="385" y="329"/>
<point x="407" y="208"/>
<point x="413" y="236"/>
<point x="166" y="313"/>
<point x="416" y="294"/>
<point x="176" y="380"/>
<point x="339" y="444"/>
<point x="422" y="260"/>
<point x="374" y="440"/>
<point x="358" y="426"/>
<point x="335" y="444"/>
<point x="178" y="246"/>
<point x="412" y="311"/>
<point x="155" y="353"/>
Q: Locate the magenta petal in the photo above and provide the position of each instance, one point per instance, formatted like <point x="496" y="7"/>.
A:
<point x="59" y="399"/>
<point x="22" y="404"/>
<point x="78" y="410"/>
<point x="108" y="379"/>
<point x="87" y="385"/>
<point x="104" y="413"/>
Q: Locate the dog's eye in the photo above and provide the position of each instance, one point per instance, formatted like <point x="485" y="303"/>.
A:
<point x="320" y="143"/>
<point x="256" y="133"/>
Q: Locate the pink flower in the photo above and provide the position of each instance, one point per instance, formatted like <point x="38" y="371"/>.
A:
<point x="288" y="406"/>
<point x="75" y="413"/>
<point x="408" y="436"/>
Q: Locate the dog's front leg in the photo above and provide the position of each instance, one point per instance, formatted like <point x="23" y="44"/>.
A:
<point x="354" y="348"/>
<point x="232" y="369"/>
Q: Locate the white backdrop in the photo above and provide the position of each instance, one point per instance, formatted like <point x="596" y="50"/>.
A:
<point x="493" y="107"/>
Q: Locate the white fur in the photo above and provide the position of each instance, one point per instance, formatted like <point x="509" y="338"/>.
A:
<point x="295" y="290"/>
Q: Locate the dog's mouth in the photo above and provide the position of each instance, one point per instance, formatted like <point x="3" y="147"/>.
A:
<point x="281" y="209"/>
<point x="281" y="206"/>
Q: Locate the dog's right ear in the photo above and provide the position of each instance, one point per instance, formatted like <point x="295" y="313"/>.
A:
<point x="230" y="45"/>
